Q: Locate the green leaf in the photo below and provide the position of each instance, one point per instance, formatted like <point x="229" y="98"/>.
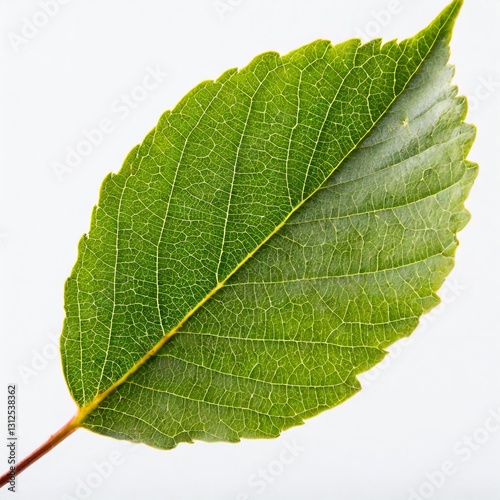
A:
<point x="268" y="240"/>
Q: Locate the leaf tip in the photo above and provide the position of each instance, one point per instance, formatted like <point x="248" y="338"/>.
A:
<point x="446" y="19"/>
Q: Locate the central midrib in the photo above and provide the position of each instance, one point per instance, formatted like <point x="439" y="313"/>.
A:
<point x="84" y="411"/>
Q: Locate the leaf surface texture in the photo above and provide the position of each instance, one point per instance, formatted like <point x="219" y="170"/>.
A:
<point x="271" y="236"/>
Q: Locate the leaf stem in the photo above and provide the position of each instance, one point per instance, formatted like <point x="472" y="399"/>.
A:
<point x="53" y="441"/>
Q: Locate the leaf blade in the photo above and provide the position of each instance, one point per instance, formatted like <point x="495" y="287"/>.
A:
<point x="245" y="245"/>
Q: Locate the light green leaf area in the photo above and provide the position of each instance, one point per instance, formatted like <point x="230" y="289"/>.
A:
<point x="268" y="240"/>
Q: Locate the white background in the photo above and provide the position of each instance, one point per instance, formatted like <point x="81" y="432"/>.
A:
<point x="413" y="413"/>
